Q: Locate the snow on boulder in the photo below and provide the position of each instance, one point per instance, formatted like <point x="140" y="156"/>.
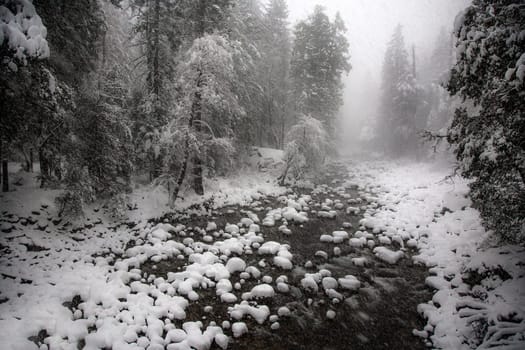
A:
<point x="231" y="228"/>
<point x="211" y="226"/>
<point x="282" y="262"/>
<point x="258" y="313"/>
<point x="196" y="339"/>
<point x="175" y="336"/>
<point x="362" y="261"/>
<point x="206" y="258"/>
<point x="309" y="284"/>
<point x="387" y="255"/>
<point x="269" y="248"/>
<point x="353" y="210"/>
<point x="329" y="283"/>
<point x="228" y="298"/>
<point x="339" y="236"/>
<point x="385" y="240"/>
<point x="282" y="287"/>
<point x="327" y="214"/>
<point x="437" y="282"/>
<point x="412" y="243"/>
<point x="262" y="291"/>
<point x="246" y="222"/>
<point x="357" y="242"/>
<point x="160" y="234"/>
<point x="284" y="229"/>
<point x="223" y="286"/>
<point x="321" y="254"/>
<point x="235" y="265"/>
<point x="326" y="239"/>
<point x="342" y="234"/>
<point x="283" y="311"/>
<point x="290" y="214"/>
<point x="349" y="282"/>
<point x="334" y="295"/>
<point x="230" y="245"/>
<point x="239" y="328"/>
<point x="254" y="228"/>
<point x="253" y="271"/>
<point x="283" y="252"/>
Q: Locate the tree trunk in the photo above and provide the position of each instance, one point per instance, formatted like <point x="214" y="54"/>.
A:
<point x="182" y="173"/>
<point x="44" y="167"/>
<point x="5" y="176"/>
<point x="31" y="159"/>
<point x="156" y="44"/>
<point x="5" y="167"/>
<point x="197" y="110"/>
<point x="197" y="169"/>
<point x="197" y="161"/>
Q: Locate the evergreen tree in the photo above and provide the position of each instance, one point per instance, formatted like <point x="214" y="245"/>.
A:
<point x="275" y="74"/>
<point x="399" y="99"/>
<point x="436" y="74"/>
<point x="23" y="46"/>
<point x="160" y="33"/>
<point x="489" y="138"/>
<point x="319" y="59"/>
<point x="202" y="129"/>
<point x="246" y="33"/>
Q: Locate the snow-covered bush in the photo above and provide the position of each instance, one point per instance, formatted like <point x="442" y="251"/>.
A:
<point x="22" y="33"/>
<point x="306" y="148"/>
<point x="69" y="205"/>
<point x="489" y="137"/>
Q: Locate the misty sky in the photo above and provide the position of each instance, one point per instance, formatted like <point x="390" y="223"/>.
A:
<point x="370" y="25"/>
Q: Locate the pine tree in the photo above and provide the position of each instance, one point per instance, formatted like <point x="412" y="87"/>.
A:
<point x="23" y="46"/>
<point x="160" y="34"/>
<point x="275" y="74"/>
<point x="399" y="99"/>
<point x="319" y="60"/>
<point x="246" y="32"/>
<point x="208" y="108"/>
<point x="489" y="137"/>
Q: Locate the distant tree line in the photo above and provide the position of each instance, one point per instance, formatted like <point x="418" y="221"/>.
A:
<point x="170" y="91"/>
<point x="473" y="97"/>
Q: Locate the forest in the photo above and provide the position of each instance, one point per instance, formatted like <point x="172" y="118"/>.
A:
<point x="140" y="141"/>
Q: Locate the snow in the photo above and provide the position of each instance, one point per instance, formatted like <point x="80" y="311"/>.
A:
<point x="239" y="328"/>
<point x="269" y="248"/>
<point x="235" y="265"/>
<point x="309" y="284"/>
<point x="94" y="265"/>
<point x="24" y="33"/>
<point x="329" y="283"/>
<point x="282" y="262"/>
<point x="124" y="306"/>
<point x="349" y="282"/>
<point x="452" y="243"/>
<point x="228" y="298"/>
<point x="262" y="291"/>
<point x="259" y="313"/>
<point x="387" y="255"/>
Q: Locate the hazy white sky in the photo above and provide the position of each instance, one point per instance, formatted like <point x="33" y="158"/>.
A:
<point x="370" y="24"/>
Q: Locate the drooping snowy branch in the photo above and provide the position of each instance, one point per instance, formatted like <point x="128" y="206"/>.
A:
<point x="22" y="33"/>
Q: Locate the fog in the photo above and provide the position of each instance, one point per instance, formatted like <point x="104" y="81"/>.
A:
<point x="370" y="25"/>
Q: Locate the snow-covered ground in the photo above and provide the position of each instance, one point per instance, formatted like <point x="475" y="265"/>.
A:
<point x="98" y="287"/>
<point x="45" y="265"/>
<point x="479" y="299"/>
